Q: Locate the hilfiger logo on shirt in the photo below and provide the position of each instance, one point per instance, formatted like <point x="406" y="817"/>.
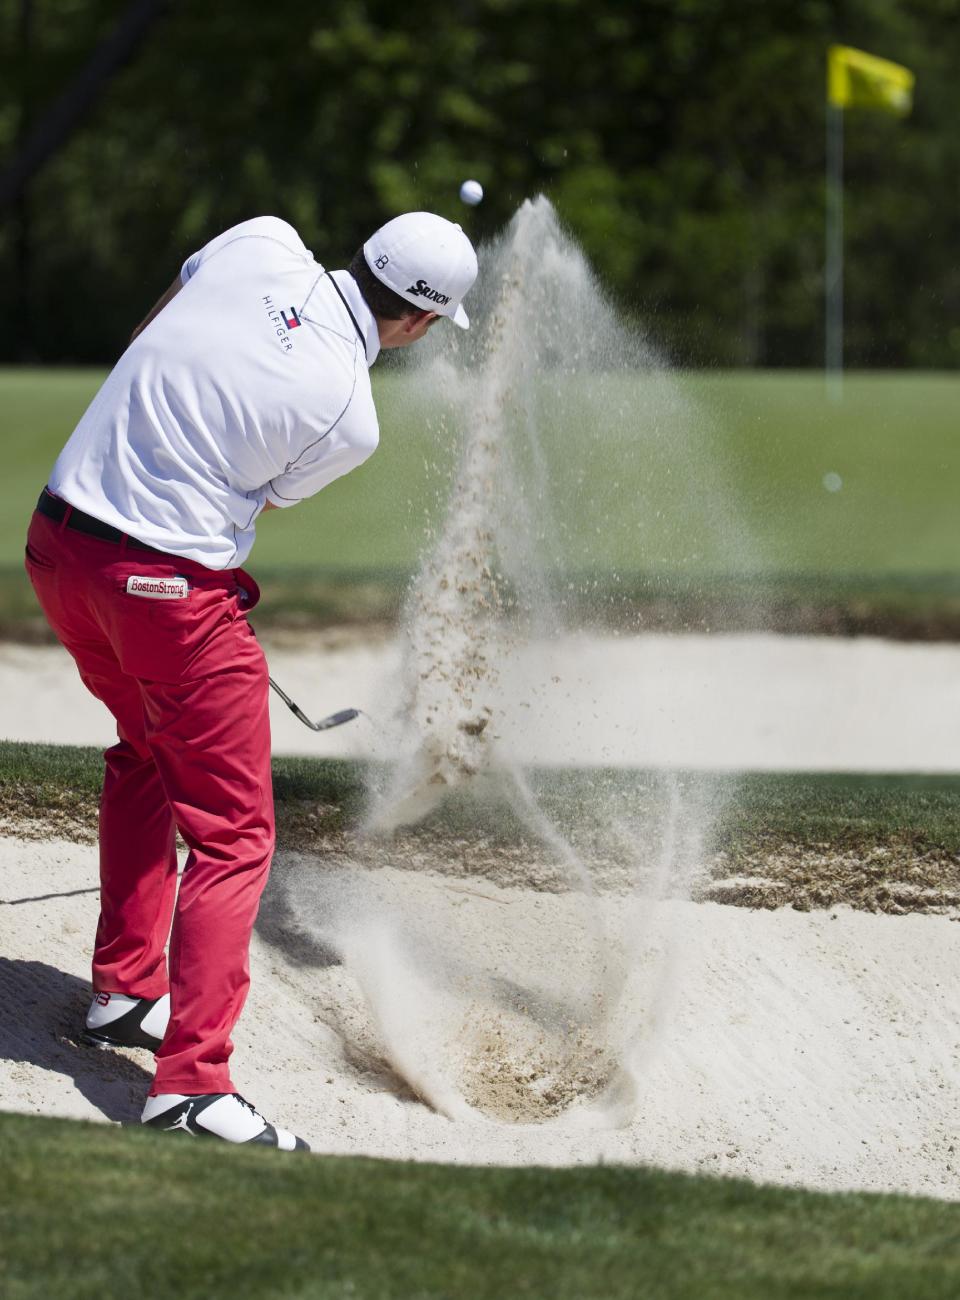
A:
<point x="282" y="322"/>
<point x="158" y="588"/>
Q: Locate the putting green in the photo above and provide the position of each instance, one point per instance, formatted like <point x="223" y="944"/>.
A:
<point x="692" y="476"/>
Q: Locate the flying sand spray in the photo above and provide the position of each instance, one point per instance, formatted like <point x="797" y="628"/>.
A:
<point x="455" y="611"/>
<point x="508" y="1015"/>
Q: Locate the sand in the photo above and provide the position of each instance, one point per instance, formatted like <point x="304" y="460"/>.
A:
<point x="723" y="702"/>
<point x="438" y="1016"/>
<point x="815" y="1049"/>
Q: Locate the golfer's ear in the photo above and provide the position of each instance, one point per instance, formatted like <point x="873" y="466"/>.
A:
<point x="416" y="319"/>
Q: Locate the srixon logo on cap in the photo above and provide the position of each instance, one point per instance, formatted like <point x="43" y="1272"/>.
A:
<point x="158" y="588"/>
<point x="422" y="290"/>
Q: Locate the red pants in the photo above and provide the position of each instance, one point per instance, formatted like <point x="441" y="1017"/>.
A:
<point x="188" y="685"/>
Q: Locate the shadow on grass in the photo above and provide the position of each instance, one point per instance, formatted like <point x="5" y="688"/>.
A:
<point x="41" y="1012"/>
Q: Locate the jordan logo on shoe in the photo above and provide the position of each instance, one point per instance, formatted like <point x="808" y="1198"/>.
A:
<point x="182" y="1122"/>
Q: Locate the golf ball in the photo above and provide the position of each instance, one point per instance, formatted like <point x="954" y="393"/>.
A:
<point x="471" y="192"/>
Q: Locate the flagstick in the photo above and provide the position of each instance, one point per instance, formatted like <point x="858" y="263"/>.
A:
<point x="833" y="287"/>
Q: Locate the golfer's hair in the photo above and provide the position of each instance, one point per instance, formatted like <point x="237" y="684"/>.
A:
<point x="381" y="300"/>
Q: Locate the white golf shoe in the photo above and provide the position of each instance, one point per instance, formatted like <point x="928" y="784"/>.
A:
<point x="117" y="1020"/>
<point x="222" y="1115"/>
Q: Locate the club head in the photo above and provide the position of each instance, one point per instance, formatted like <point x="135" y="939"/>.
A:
<point x="334" y="719"/>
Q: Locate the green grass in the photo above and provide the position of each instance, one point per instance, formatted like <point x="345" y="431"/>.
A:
<point x="691" y="475"/>
<point x="845" y="811"/>
<point x="753" y="810"/>
<point x="59" y="785"/>
<point x="890" y="442"/>
<point x="87" y="1211"/>
<point x="663" y="500"/>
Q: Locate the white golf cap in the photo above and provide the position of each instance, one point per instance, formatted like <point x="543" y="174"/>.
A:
<point x="425" y="259"/>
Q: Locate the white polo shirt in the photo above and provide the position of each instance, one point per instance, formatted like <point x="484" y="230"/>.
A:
<point x="250" y="386"/>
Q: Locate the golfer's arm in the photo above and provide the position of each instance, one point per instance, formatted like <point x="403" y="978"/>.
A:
<point x="158" y="307"/>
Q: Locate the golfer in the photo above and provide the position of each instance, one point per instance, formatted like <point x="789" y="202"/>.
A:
<point x="245" y="389"/>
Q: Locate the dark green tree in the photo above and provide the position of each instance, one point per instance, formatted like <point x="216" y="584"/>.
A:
<point x="681" y="141"/>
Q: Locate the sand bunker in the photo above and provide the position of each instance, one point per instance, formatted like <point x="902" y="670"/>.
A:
<point x="818" y="1049"/>
<point x="733" y="702"/>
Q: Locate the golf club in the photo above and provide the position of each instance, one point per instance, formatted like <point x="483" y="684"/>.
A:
<point x="325" y="724"/>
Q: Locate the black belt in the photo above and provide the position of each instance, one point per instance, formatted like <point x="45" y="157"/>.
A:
<point x="55" y="508"/>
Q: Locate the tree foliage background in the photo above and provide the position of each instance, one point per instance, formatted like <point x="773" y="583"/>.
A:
<point x="682" y="141"/>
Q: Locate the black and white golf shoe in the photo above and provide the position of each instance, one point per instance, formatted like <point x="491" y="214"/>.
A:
<point x="116" y="1020"/>
<point x="222" y="1115"/>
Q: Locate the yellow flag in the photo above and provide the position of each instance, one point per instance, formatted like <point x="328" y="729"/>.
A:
<point x="859" y="80"/>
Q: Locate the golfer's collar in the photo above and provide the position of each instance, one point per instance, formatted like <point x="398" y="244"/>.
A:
<point x="364" y="316"/>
